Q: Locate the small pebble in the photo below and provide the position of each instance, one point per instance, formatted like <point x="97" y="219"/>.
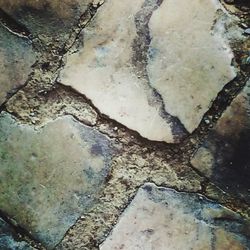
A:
<point x="207" y="121"/>
<point x="247" y="31"/>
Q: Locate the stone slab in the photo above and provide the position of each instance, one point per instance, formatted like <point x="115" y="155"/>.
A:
<point x="50" y="175"/>
<point x="16" y="59"/>
<point x="164" y="219"/>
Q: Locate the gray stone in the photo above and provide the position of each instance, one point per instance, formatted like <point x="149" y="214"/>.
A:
<point x="16" y="58"/>
<point x="53" y="18"/>
<point x="162" y="218"/>
<point x="50" y="175"/>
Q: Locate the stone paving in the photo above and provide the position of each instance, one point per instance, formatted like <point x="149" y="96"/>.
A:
<point x="124" y="124"/>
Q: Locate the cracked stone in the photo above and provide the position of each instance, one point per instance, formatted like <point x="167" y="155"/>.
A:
<point x="103" y="71"/>
<point x="16" y="55"/>
<point x="224" y="156"/>
<point x="155" y="71"/>
<point x="189" y="59"/>
<point x="52" y="18"/>
<point x="50" y="175"/>
<point x="9" y="240"/>
<point x="162" y="218"/>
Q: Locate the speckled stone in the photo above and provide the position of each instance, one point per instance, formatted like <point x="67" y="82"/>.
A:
<point x="164" y="219"/>
<point x="50" y="175"/>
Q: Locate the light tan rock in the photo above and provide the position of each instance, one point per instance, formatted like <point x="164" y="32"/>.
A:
<point x="16" y="59"/>
<point x="103" y="71"/>
<point x="50" y="175"/>
<point x="163" y="219"/>
<point x="189" y="60"/>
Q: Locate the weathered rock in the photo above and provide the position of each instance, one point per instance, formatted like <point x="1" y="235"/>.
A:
<point x="50" y="175"/>
<point x="16" y="58"/>
<point x="103" y="70"/>
<point x="189" y="59"/>
<point x="53" y="18"/>
<point x="161" y="218"/>
<point x="9" y="240"/>
<point x="224" y="156"/>
<point x="153" y="74"/>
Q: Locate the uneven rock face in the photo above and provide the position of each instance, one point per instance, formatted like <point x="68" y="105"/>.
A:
<point x="161" y="218"/>
<point x="224" y="156"/>
<point x="189" y="60"/>
<point x="50" y="175"/>
<point x="16" y="59"/>
<point x="54" y="18"/>
<point x="155" y="71"/>
<point x="9" y="239"/>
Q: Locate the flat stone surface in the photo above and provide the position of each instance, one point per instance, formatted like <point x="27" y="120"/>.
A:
<point x="153" y="74"/>
<point x="16" y="58"/>
<point x="104" y="71"/>
<point x="53" y="18"/>
<point x="224" y="156"/>
<point x="9" y="240"/>
<point x="50" y="175"/>
<point x="161" y="218"/>
<point x="189" y="59"/>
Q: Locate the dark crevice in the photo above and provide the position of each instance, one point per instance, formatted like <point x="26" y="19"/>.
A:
<point x="18" y="230"/>
<point x="13" y="25"/>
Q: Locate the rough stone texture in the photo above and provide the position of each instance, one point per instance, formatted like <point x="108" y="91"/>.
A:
<point x="189" y="59"/>
<point x="224" y="156"/>
<point x="9" y="240"/>
<point x="16" y="58"/>
<point x="50" y="175"/>
<point x="161" y="218"/>
<point x="52" y="18"/>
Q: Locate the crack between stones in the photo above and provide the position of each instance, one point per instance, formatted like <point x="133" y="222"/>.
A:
<point x="23" y="233"/>
<point x="140" y="60"/>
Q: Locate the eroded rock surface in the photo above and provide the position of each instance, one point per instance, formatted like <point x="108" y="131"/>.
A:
<point x="16" y="59"/>
<point x="161" y="218"/>
<point x="153" y="74"/>
<point x="50" y="175"/>
<point x="224" y="156"/>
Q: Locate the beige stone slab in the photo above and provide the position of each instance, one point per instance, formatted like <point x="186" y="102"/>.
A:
<point x="50" y="175"/>
<point x="189" y="59"/>
<point x="163" y="219"/>
<point x="16" y="59"/>
<point x="103" y="71"/>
